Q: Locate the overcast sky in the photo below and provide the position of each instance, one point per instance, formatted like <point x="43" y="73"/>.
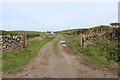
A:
<point x="53" y="16"/>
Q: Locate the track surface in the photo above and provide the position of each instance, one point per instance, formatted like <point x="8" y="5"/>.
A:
<point x="47" y="64"/>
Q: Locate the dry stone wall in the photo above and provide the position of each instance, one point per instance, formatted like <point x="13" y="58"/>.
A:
<point x="9" y="42"/>
<point x="88" y="39"/>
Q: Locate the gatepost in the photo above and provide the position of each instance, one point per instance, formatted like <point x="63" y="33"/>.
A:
<point x="25" y="41"/>
<point x="81" y="40"/>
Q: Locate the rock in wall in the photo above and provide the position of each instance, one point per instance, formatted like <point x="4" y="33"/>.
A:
<point x="9" y="42"/>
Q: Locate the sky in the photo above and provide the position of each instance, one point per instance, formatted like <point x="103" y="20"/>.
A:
<point x="56" y="16"/>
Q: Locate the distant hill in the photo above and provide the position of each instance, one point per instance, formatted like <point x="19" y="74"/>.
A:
<point x="98" y="29"/>
<point x="29" y="33"/>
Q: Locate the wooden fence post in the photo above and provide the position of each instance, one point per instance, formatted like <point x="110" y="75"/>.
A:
<point x="25" y="41"/>
<point x="81" y="40"/>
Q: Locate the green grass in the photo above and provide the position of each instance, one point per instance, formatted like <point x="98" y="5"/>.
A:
<point x="99" y="52"/>
<point x="0" y="62"/>
<point x="17" y="58"/>
<point x="55" y="47"/>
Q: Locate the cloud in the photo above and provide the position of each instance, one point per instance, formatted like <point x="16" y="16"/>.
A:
<point x="56" y="16"/>
<point x="59" y="1"/>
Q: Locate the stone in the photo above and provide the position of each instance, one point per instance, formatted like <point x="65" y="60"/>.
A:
<point x="11" y="42"/>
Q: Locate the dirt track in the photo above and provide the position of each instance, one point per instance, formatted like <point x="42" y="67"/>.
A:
<point x="69" y="65"/>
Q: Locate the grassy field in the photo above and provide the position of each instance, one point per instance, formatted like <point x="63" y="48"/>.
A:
<point x="12" y="60"/>
<point x="99" y="52"/>
<point x="30" y="34"/>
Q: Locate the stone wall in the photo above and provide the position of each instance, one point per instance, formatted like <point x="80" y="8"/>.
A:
<point x="88" y="39"/>
<point x="9" y="42"/>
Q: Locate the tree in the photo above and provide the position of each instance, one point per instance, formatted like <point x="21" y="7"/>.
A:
<point x="116" y="29"/>
<point x="115" y="24"/>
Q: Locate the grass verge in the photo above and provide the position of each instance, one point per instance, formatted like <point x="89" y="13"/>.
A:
<point x="99" y="52"/>
<point x="56" y="49"/>
<point x="17" y="58"/>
